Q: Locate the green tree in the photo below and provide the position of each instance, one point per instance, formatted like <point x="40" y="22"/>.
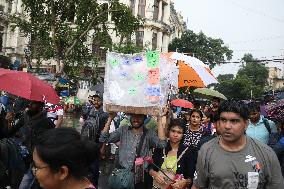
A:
<point x="250" y="79"/>
<point x="253" y="69"/>
<point x="60" y="29"/>
<point x="207" y="49"/>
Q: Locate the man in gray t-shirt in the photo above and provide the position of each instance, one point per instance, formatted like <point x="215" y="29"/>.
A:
<point x="234" y="160"/>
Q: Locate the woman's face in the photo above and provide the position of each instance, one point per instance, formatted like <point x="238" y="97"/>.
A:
<point x="195" y="119"/>
<point x="176" y="134"/>
<point x="46" y="178"/>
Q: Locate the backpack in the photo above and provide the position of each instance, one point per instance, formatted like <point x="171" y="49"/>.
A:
<point x="273" y="137"/>
<point x="267" y="125"/>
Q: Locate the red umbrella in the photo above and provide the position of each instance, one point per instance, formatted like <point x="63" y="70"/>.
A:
<point x="182" y="103"/>
<point x="27" y="86"/>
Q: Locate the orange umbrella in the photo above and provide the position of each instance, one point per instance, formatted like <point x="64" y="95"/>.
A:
<point x="192" y="71"/>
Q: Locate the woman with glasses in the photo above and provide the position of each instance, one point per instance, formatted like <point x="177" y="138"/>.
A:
<point x="61" y="160"/>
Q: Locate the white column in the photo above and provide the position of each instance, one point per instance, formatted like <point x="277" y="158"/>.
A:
<point x="147" y="41"/>
<point x="19" y="6"/>
<point x="14" y="6"/>
<point x="165" y="43"/>
<point x="167" y="11"/>
<point x="160" y="41"/>
<point x="160" y="10"/>
<point x="136" y="7"/>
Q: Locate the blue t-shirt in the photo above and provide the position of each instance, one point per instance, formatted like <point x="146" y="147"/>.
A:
<point x="258" y="131"/>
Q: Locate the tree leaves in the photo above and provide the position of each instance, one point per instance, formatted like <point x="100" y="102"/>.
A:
<point x="61" y="29"/>
<point x="207" y="49"/>
<point x="250" y="78"/>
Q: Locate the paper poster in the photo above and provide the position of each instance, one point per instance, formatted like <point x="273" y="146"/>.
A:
<point x="137" y="80"/>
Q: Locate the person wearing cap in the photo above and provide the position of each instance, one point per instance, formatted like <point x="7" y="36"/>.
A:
<point x="94" y="121"/>
<point x="130" y="139"/>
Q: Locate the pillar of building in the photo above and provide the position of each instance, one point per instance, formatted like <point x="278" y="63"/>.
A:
<point x="159" y="40"/>
<point x="160" y="10"/>
<point x="167" y="12"/>
<point x="14" y="7"/>
<point x="165" y="43"/>
<point x="19" y="6"/>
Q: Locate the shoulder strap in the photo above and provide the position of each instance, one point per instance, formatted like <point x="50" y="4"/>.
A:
<point x="183" y="152"/>
<point x="267" y="125"/>
<point x="139" y="148"/>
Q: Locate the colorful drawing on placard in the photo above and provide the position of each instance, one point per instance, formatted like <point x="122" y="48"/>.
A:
<point x="154" y="76"/>
<point x="139" y="76"/>
<point x="138" y="59"/>
<point x="153" y="99"/>
<point x="132" y="91"/>
<point x="126" y="62"/>
<point x="153" y="59"/>
<point x="123" y="74"/>
<point x="114" y="62"/>
<point x="153" y="91"/>
<point x="115" y="91"/>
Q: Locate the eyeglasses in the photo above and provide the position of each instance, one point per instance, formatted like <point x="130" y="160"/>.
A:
<point x="34" y="168"/>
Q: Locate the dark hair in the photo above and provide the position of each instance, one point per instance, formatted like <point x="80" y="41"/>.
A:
<point x="64" y="147"/>
<point x="235" y="107"/>
<point x="177" y="122"/>
<point x="209" y="115"/>
<point x="197" y="111"/>
<point x="253" y="107"/>
<point x="217" y="99"/>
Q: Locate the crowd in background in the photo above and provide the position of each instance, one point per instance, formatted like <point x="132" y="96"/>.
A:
<point x="209" y="146"/>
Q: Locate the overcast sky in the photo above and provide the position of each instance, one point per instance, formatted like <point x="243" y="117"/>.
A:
<point x="246" y="26"/>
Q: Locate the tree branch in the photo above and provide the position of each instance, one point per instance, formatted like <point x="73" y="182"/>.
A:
<point x="86" y="31"/>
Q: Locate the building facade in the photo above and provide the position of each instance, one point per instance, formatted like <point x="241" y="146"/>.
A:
<point x="12" y="42"/>
<point x="162" y="24"/>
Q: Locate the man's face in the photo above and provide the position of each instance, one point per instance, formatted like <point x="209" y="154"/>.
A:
<point x="215" y="103"/>
<point x="34" y="108"/>
<point x="137" y="120"/>
<point x="231" y="126"/>
<point x="97" y="102"/>
<point x="254" y="116"/>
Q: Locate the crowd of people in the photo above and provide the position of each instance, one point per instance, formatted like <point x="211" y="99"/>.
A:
<point x="225" y="145"/>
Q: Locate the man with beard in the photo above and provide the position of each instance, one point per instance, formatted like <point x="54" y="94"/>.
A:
<point x="135" y="144"/>
<point x="235" y="160"/>
<point x="95" y="120"/>
<point x="214" y="106"/>
<point x="27" y="129"/>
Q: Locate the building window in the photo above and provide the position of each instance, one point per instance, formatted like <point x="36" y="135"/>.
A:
<point x="139" y="38"/>
<point x="156" y="10"/>
<point x="1" y="37"/>
<point x="154" y="41"/>
<point x="141" y="8"/>
<point x="163" y="12"/>
<point x="132" y="6"/>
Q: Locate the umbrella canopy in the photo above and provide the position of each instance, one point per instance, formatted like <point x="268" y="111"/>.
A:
<point x="182" y="103"/>
<point x="209" y="93"/>
<point x="192" y="71"/>
<point x="27" y="86"/>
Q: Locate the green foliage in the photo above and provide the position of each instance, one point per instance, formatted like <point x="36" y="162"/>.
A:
<point x="128" y="47"/>
<point x="251" y="77"/>
<point x="207" y="49"/>
<point x="60" y="29"/>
